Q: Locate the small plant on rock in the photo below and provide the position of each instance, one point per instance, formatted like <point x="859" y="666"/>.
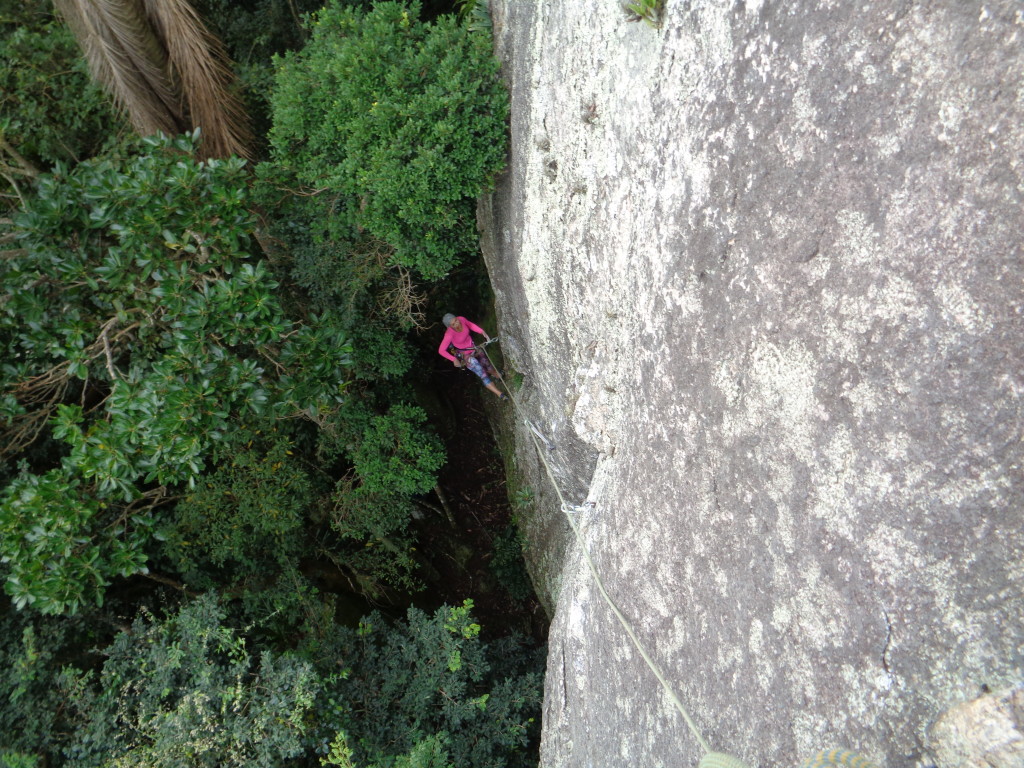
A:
<point x="476" y="14"/>
<point x="523" y="497"/>
<point x="647" y="10"/>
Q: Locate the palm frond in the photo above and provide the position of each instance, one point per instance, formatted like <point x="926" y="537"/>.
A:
<point x="127" y="59"/>
<point x="201" y="69"/>
<point x="162" y="67"/>
<point x="476" y="14"/>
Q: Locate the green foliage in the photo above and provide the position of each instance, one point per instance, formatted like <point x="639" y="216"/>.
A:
<point x="379" y="352"/>
<point x="49" y="109"/>
<point x="339" y="753"/>
<point x="397" y="455"/>
<point x="475" y="14"/>
<point x="30" y="704"/>
<point x="18" y="760"/>
<point x="186" y="691"/>
<point x="378" y="525"/>
<point x="523" y="498"/>
<point x="431" y="752"/>
<point x="253" y="32"/>
<point x="168" y="399"/>
<point x="393" y="456"/>
<point x="135" y="294"/>
<point x="284" y="606"/>
<point x="248" y="513"/>
<point x="363" y="515"/>
<point x="648" y="10"/>
<point x="430" y="692"/>
<point x="144" y="245"/>
<point x="375" y="301"/>
<point x="403" y="122"/>
<point x="54" y="565"/>
<point x="507" y="564"/>
<point x="190" y="689"/>
<point x="335" y="272"/>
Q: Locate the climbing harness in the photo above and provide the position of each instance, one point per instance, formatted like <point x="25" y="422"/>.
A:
<point x="462" y="353"/>
<point x="711" y="759"/>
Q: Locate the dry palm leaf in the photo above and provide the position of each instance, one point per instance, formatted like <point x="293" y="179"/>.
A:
<point x="162" y="67"/>
<point x="127" y="60"/>
<point x="201" y="68"/>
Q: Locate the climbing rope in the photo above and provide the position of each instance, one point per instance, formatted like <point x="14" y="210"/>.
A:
<point x="711" y="759"/>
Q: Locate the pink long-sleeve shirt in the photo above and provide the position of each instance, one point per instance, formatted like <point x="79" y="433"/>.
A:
<point x="459" y="340"/>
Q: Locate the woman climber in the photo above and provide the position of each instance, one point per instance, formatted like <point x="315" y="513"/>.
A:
<point x="458" y="338"/>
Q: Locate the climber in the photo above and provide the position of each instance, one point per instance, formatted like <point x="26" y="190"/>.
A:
<point x="458" y="338"/>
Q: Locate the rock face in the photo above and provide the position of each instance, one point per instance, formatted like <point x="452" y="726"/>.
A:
<point x="761" y="268"/>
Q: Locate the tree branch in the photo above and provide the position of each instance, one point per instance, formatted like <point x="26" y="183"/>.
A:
<point x="114" y="375"/>
<point x="447" y="507"/>
<point x="170" y="583"/>
<point x="26" y="168"/>
<point x="14" y="186"/>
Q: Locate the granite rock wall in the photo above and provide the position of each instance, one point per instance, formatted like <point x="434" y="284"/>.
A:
<point x="761" y="270"/>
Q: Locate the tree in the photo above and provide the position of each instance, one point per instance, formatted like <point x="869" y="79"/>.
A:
<point x="244" y="520"/>
<point x="253" y="32"/>
<point x="429" y="691"/>
<point x="32" y="650"/>
<point x="192" y="688"/>
<point x="400" y="122"/>
<point x="187" y="691"/>
<point x="137" y="324"/>
<point x="171" y="399"/>
<point x="161" y="65"/>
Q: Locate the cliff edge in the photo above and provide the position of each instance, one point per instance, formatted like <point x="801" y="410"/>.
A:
<point x="761" y="270"/>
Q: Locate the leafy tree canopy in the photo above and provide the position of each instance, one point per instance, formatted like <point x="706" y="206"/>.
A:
<point x="429" y="691"/>
<point x="137" y="323"/>
<point x="186" y="691"/>
<point x="188" y="385"/>
<point x="246" y="514"/>
<point x="401" y="121"/>
<point x="189" y="689"/>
